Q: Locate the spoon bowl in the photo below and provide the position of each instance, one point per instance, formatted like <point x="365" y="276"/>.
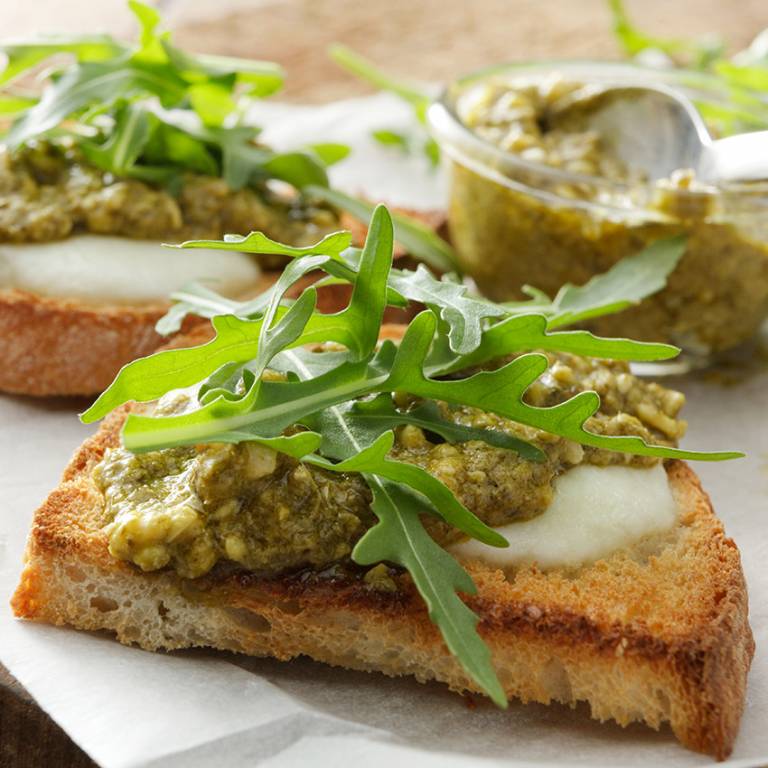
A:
<point x="658" y="129"/>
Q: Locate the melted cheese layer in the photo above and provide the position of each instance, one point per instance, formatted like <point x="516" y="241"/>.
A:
<point x="595" y="512"/>
<point x="99" y="269"/>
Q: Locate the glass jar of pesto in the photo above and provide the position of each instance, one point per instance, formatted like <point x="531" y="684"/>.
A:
<point x="534" y="203"/>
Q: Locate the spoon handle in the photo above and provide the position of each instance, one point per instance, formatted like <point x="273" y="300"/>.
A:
<point x="736" y="158"/>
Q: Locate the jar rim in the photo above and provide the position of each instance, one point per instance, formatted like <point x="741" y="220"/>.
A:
<point x="453" y="135"/>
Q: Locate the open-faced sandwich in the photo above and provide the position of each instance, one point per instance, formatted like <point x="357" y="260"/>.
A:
<point x="124" y="148"/>
<point x="476" y="498"/>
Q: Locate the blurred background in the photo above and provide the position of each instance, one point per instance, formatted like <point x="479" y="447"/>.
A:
<point x="421" y="39"/>
<point x="428" y="40"/>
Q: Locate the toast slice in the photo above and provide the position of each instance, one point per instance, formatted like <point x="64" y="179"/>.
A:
<point x="659" y="638"/>
<point x="53" y="346"/>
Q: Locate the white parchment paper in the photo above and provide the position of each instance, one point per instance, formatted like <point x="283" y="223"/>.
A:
<point x="128" y="708"/>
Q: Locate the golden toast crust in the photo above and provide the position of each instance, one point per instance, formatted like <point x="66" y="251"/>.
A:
<point x="659" y="638"/>
<point x="52" y="346"/>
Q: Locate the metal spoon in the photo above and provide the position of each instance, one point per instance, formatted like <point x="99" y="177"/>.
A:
<point x="659" y="130"/>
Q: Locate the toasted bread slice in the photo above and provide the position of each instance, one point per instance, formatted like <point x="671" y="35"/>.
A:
<point x="53" y="346"/>
<point x="655" y="638"/>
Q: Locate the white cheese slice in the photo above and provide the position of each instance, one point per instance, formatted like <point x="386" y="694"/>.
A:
<point x="99" y="269"/>
<point x="595" y="512"/>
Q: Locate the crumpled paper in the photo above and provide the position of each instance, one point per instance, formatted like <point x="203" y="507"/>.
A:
<point x="128" y="708"/>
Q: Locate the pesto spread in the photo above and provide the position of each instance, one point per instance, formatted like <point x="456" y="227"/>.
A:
<point x="546" y="229"/>
<point x="48" y="192"/>
<point x="188" y="508"/>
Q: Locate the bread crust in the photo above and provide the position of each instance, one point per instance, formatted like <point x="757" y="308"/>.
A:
<point x="660" y="637"/>
<point x="53" y="346"/>
<point x="57" y="346"/>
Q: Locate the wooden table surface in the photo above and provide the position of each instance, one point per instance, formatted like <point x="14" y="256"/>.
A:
<point x="422" y="39"/>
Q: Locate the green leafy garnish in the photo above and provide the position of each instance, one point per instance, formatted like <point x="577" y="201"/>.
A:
<point x="380" y="414"/>
<point x="628" y="282"/>
<point x="634" y="41"/>
<point x="466" y="315"/>
<point x="729" y="93"/>
<point x="366" y="70"/>
<point x="391" y="139"/>
<point x="337" y="408"/>
<point x="152" y="111"/>
<point x="400" y="537"/>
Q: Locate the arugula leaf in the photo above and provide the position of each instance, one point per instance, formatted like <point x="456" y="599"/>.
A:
<point x="399" y="537"/>
<point x="391" y="139"/>
<point x="205" y="303"/>
<point x="628" y="282"/>
<point x="240" y="341"/>
<point x="634" y="41"/>
<point x="369" y="295"/>
<point x="418" y="99"/>
<point x="272" y="407"/>
<point x="122" y="149"/>
<point x="298" y="169"/>
<point x="213" y="102"/>
<point x="257" y="78"/>
<point x="364" y="69"/>
<point x="22" y="56"/>
<point x="236" y="341"/>
<point x="242" y="161"/>
<point x="464" y="315"/>
<point x="379" y="415"/>
<point x="372" y="459"/>
<point x="196" y="299"/>
<point x="257" y="242"/>
<point x="101" y="82"/>
<point x="149" y="19"/>
<point x="12" y="104"/>
<point x="519" y="333"/>
<point x="357" y="325"/>
<point x="273" y="338"/>
<point x="418" y="239"/>
<point x="738" y="85"/>
<point x="265" y="410"/>
<point x="329" y="153"/>
<point x="501" y="392"/>
<point x="298" y="445"/>
<point x="148" y="378"/>
<point x="173" y="151"/>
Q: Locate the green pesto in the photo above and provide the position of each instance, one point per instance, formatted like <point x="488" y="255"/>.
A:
<point x="49" y="193"/>
<point x="189" y="508"/>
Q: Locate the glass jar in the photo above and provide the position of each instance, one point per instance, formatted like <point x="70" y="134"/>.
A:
<point x="517" y="222"/>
